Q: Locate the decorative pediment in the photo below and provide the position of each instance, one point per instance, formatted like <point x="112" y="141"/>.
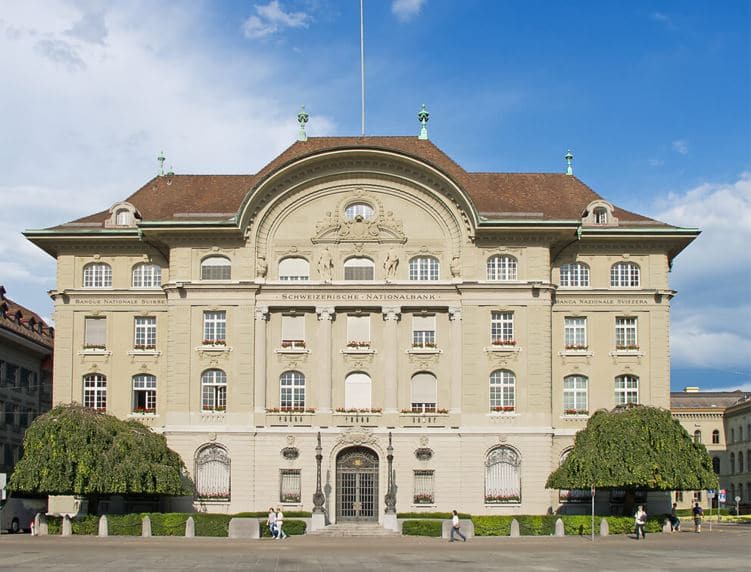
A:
<point x="381" y="226"/>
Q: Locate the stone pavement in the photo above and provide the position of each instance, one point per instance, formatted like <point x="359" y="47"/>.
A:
<point x="727" y="548"/>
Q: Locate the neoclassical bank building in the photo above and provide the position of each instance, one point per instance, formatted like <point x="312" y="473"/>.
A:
<point x="437" y="336"/>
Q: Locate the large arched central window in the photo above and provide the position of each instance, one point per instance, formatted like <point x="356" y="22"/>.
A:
<point x="424" y="268"/>
<point x="216" y="268"/>
<point x="503" y="477"/>
<point x="292" y="391"/>
<point x="97" y="275"/>
<point x="212" y="473"/>
<point x="358" y="268"/>
<point x="357" y="391"/>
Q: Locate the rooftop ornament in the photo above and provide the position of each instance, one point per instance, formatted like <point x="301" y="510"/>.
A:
<point x="423" y="116"/>
<point x="302" y="119"/>
<point x="569" y="160"/>
<point x="161" y="160"/>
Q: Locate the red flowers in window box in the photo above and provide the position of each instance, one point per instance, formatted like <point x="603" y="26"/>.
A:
<point x="501" y="342"/>
<point x="507" y="408"/>
<point x="577" y="347"/>
<point x="627" y="347"/>
<point x="214" y="342"/>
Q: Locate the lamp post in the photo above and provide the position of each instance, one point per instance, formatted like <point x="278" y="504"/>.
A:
<point x="318" y="518"/>
<point x="389" y="519"/>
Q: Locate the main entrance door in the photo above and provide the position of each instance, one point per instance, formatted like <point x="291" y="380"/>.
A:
<point x="357" y="485"/>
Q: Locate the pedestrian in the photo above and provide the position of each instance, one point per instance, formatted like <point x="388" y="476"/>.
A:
<point x="698" y="513"/>
<point x="675" y="522"/>
<point x="271" y="522"/>
<point x="455" y="528"/>
<point x="280" y="534"/>
<point x="640" y="519"/>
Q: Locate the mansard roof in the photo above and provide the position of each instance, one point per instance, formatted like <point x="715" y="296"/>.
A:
<point x="495" y="196"/>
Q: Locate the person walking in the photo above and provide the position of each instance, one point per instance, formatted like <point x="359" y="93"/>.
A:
<point x="280" y="534"/>
<point x="675" y="522"/>
<point x="271" y="522"/>
<point x="455" y="528"/>
<point x="640" y="519"/>
<point x="698" y="513"/>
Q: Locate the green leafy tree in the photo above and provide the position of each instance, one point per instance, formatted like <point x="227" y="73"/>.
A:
<point x="74" y="450"/>
<point x="634" y="447"/>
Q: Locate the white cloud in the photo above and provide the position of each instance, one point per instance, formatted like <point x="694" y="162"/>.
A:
<point x="405" y="10"/>
<point x="656" y="162"/>
<point x="680" y="146"/>
<point x="272" y="18"/>
<point x="702" y="339"/>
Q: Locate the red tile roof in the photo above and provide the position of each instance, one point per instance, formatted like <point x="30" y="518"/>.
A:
<point x="18" y="319"/>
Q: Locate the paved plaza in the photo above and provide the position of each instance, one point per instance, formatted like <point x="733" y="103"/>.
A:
<point x="726" y="549"/>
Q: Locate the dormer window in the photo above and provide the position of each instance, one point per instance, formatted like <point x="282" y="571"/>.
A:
<point x="599" y="213"/>
<point x="122" y="215"/>
<point x="123" y="218"/>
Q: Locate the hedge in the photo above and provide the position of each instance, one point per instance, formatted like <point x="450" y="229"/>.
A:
<point x="422" y="527"/>
<point x="433" y="515"/>
<point x="544" y="525"/>
<point x="291" y="526"/>
<point x="162" y="524"/>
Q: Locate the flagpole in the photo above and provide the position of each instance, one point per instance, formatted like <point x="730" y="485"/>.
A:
<point x="362" y="70"/>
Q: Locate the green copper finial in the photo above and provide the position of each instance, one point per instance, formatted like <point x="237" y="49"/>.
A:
<point x="161" y="160"/>
<point x="569" y="158"/>
<point x="423" y="116"/>
<point x="302" y="119"/>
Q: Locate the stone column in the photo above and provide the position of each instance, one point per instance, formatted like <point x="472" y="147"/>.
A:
<point x="391" y="358"/>
<point x="259" y="371"/>
<point x="455" y="315"/>
<point x="325" y="316"/>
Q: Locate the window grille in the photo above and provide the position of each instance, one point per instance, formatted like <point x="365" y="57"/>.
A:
<point x="424" y="268"/>
<point x="575" y="395"/>
<point x="502" y="391"/>
<point x="626" y="389"/>
<point x="358" y="268"/>
<point x="502" y="327"/>
<point x="624" y="275"/>
<point x="294" y="269"/>
<point x="290" y="489"/>
<point x="214" y="327"/>
<point x="423" y="487"/>
<point x="144" y="393"/>
<point x="213" y="473"/>
<point x="502" y="268"/>
<point x="575" y="333"/>
<point x="292" y="390"/>
<point x="503" y="477"/>
<point x="214" y="390"/>
<point x="147" y="276"/>
<point x="145" y="333"/>
<point x="95" y="391"/>
<point x="216" y="268"/>
<point x="97" y="275"/>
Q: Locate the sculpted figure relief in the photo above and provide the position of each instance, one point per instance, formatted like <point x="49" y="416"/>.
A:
<point x="326" y="265"/>
<point x="456" y="267"/>
<point x="261" y="267"/>
<point x="391" y="264"/>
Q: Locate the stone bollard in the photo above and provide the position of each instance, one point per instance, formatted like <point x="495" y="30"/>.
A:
<point x="190" y="527"/>
<point x="40" y="524"/>
<point x="103" y="528"/>
<point x="244" y="528"/>
<point x="666" y="527"/>
<point x="514" y="532"/>
<point x="560" y="530"/>
<point x="146" y="526"/>
<point x="604" y="528"/>
<point x="67" y="529"/>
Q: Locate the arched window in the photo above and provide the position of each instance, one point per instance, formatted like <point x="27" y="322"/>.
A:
<point x="715" y="436"/>
<point x="575" y="395"/>
<point x="502" y="268"/>
<point x="144" y="393"/>
<point x="216" y="268"/>
<point x="732" y="435"/>
<point x="740" y="462"/>
<point x="357" y="391"/>
<point x="424" y="393"/>
<point x="358" y="268"/>
<point x="575" y="275"/>
<point x="716" y="465"/>
<point x="503" y="477"/>
<point x="732" y="463"/>
<point x="294" y="268"/>
<point x="292" y="391"/>
<point x="212" y="473"/>
<point x="502" y="391"/>
<point x="624" y="275"/>
<point x="123" y="217"/>
<point x="626" y="389"/>
<point x="97" y="275"/>
<point x="740" y="433"/>
<point x="356" y="210"/>
<point x="424" y="268"/>
<point x="600" y="215"/>
<point x="213" y="390"/>
<point x="95" y="391"/>
<point x="147" y="276"/>
<point x="697" y="436"/>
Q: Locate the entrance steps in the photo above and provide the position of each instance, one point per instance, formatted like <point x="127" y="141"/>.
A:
<point x="354" y="529"/>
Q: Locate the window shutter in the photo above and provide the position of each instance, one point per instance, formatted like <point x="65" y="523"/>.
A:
<point x="95" y="332"/>
<point x="424" y="388"/>
<point x="423" y="323"/>
<point x="357" y="391"/>
<point x="293" y="328"/>
<point x="358" y="328"/>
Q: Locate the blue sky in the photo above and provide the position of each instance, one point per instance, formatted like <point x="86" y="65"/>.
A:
<point x="652" y="97"/>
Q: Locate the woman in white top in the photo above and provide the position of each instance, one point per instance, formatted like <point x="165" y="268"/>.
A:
<point x="279" y="523"/>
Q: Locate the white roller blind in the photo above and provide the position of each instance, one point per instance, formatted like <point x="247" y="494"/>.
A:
<point x="294" y="267"/>
<point x="293" y="327"/>
<point x="424" y="388"/>
<point x="358" y="328"/>
<point x="95" y="332"/>
<point x="423" y="323"/>
<point x="357" y="391"/>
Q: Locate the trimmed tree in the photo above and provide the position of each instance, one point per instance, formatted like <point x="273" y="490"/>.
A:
<point x="74" y="450"/>
<point x="634" y="447"/>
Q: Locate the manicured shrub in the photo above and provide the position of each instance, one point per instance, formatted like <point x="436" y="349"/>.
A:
<point x="433" y="515"/>
<point x="264" y="514"/>
<point x="422" y="527"/>
<point x="125" y="524"/>
<point x="291" y="526"/>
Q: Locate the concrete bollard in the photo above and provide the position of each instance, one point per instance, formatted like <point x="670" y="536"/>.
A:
<point x="560" y="530"/>
<point x="666" y="526"/>
<point x="604" y="527"/>
<point x="146" y="527"/>
<point x="40" y="524"/>
<point x="514" y="532"/>
<point x="67" y="529"/>
<point x="244" y="528"/>
<point x="103" y="528"/>
<point x="190" y="527"/>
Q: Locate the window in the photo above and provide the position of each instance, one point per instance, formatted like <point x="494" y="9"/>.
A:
<point x="626" y="334"/>
<point x="216" y="268"/>
<point x="212" y="473"/>
<point x="600" y="215"/>
<point x="502" y="329"/>
<point x="358" y="331"/>
<point x="502" y="268"/>
<point x="624" y="275"/>
<point x="144" y="393"/>
<point x="424" y="393"/>
<point x="293" y="332"/>
<point x="575" y="333"/>
<point x="423" y="268"/>
<point x="740" y="491"/>
<point x="290" y="490"/>
<point x="575" y="395"/>
<point x="294" y="268"/>
<point x="213" y="390"/>
<point x="145" y="336"/>
<point x="215" y="327"/>
<point x="147" y="276"/>
<point x="97" y="275"/>
<point x="740" y="462"/>
<point x="503" y="477"/>
<point x="626" y="389"/>
<point x="678" y="496"/>
<point x="697" y="436"/>
<point x="502" y="391"/>
<point x="740" y="433"/>
<point x="95" y="391"/>
<point x="423" y="489"/>
<point x="732" y="463"/>
<point x="292" y="391"/>
<point x="95" y="333"/>
<point x="715" y="437"/>
<point x="357" y="392"/>
<point x="123" y="218"/>
<point x="732" y="435"/>
<point x="575" y="275"/>
<point x="423" y="332"/>
<point x="358" y="210"/>
<point x="358" y="268"/>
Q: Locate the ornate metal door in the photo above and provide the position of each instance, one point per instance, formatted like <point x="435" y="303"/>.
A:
<point x="357" y="485"/>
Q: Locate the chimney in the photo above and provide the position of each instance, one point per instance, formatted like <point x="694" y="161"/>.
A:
<point x="691" y="389"/>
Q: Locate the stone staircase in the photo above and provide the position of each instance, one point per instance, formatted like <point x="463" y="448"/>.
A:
<point x="353" y="529"/>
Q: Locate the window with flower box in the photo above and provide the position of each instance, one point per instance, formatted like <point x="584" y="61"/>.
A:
<point x="423" y="487"/>
<point x="502" y="268"/>
<point x="213" y="390"/>
<point x="97" y="275"/>
<point x="502" y="391"/>
<point x="624" y="275"/>
<point x="626" y="389"/>
<point x="423" y="332"/>
<point x="95" y="334"/>
<point x="147" y="276"/>
<point x="290" y="486"/>
<point x="575" y="395"/>
<point x="213" y="469"/>
<point x="215" y="328"/>
<point x="575" y="333"/>
<point x="424" y="268"/>
<point x="144" y="393"/>
<point x="216" y="268"/>
<point x="423" y="393"/>
<point x="575" y="275"/>
<point x="503" y="476"/>
<point x="293" y="332"/>
<point x="95" y="391"/>
<point x="145" y="333"/>
<point x="292" y="391"/>
<point x="358" y="332"/>
<point x="502" y="329"/>
<point x="626" y="333"/>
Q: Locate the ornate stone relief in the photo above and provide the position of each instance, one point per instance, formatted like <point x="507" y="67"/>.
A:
<point x="357" y="436"/>
<point x="290" y="453"/>
<point x="383" y="227"/>
<point x="424" y="454"/>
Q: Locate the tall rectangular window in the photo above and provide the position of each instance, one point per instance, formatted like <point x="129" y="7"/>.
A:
<point x="95" y="333"/>
<point x="626" y="334"/>
<point x="502" y="328"/>
<point x="293" y="332"/>
<point x="215" y="327"/>
<point x="575" y="395"/>
<point x="423" y="332"/>
<point x="145" y="334"/>
<point x="424" y="491"/>
<point x="575" y="333"/>
<point x="290" y="486"/>
<point x="95" y="391"/>
<point x="626" y="389"/>
<point x="358" y="331"/>
<point x="144" y="393"/>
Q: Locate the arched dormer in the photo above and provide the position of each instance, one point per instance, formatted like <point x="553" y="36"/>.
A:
<point x="122" y="215"/>
<point x="599" y="213"/>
